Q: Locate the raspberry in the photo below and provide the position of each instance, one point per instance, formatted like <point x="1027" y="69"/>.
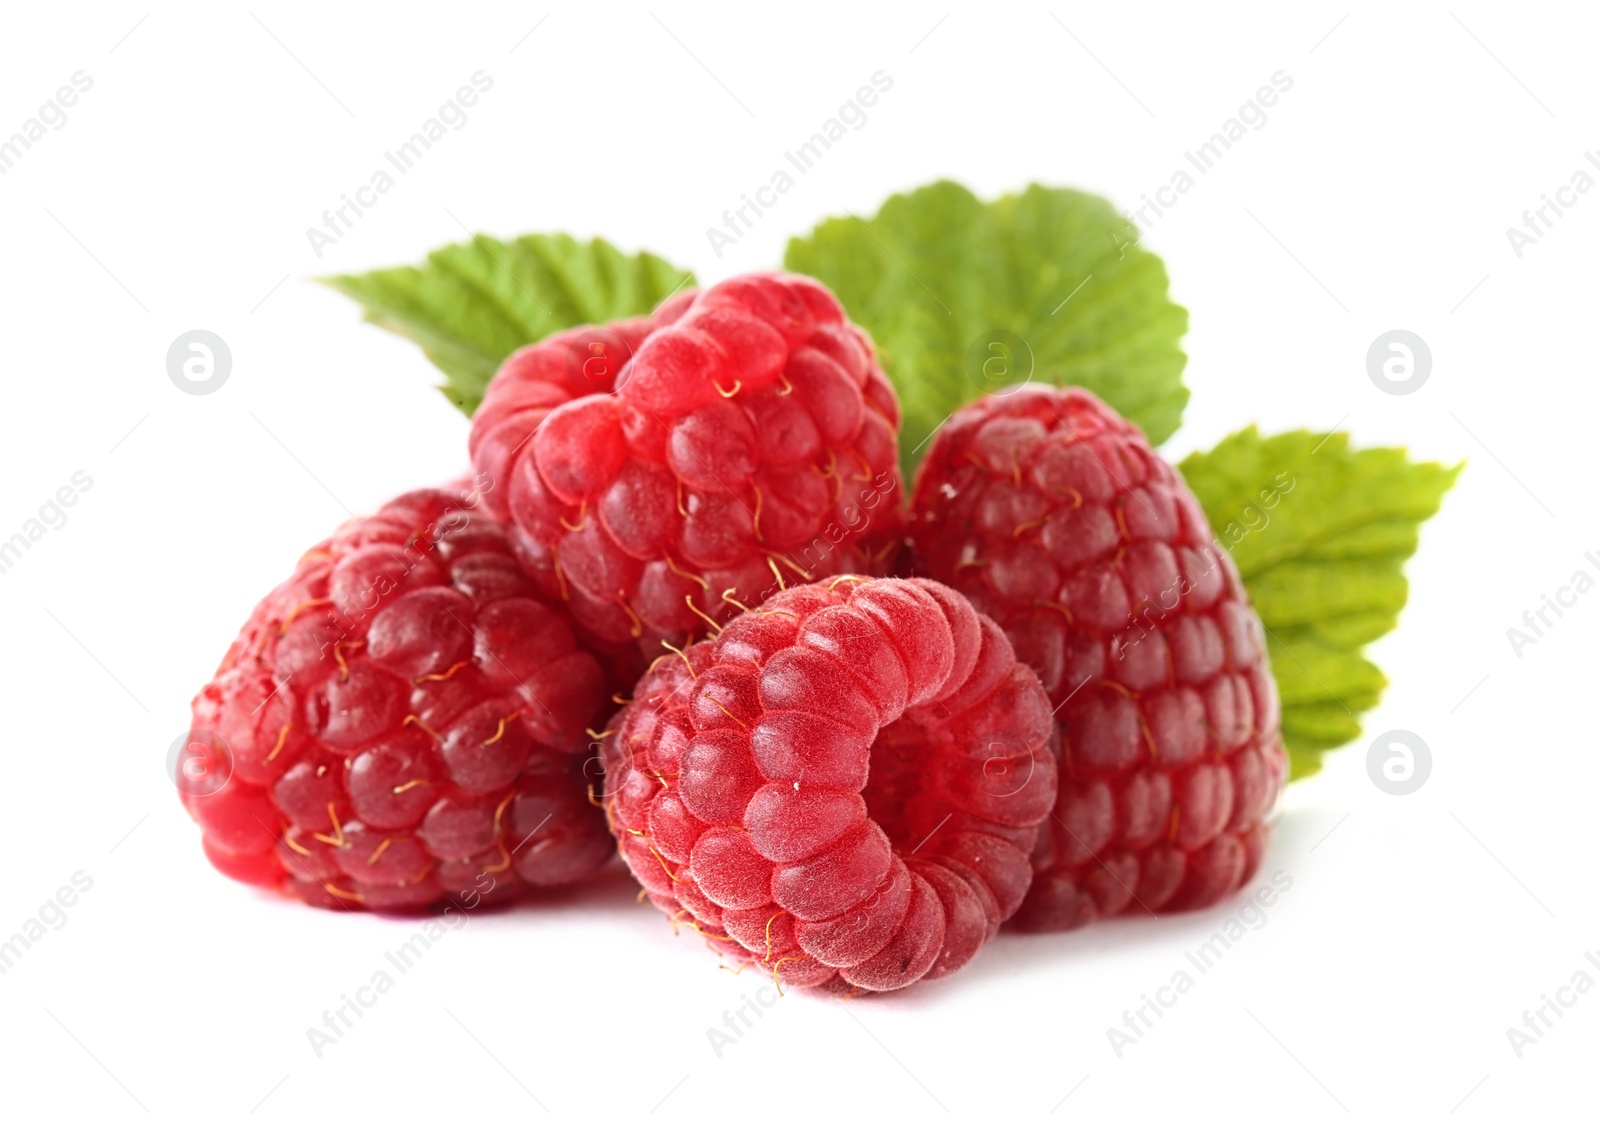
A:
<point x="663" y="473"/>
<point x="400" y="723"/>
<point x="842" y="787"/>
<point x="1056" y="518"/>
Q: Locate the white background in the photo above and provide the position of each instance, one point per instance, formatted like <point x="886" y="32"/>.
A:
<point x="1377" y="196"/>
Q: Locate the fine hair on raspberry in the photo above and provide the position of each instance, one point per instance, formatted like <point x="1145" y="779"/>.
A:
<point x="1055" y="516"/>
<point x="664" y="472"/>
<point x="401" y="724"/>
<point x="843" y="787"/>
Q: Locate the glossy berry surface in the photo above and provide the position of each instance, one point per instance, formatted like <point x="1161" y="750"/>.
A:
<point x="664" y="473"/>
<point x="400" y="724"/>
<point x="1057" y="519"/>
<point x="842" y="788"/>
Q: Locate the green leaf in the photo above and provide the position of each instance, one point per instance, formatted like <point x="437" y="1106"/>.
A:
<point x="936" y="269"/>
<point x="472" y="304"/>
<point x="1320" y="532"/>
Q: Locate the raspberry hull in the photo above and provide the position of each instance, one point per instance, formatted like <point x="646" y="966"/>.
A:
<point x="663" y="473"/>
<point x="401" y="723"/>
<point x="843" y="788"/>
<point x="1057" y="519"/>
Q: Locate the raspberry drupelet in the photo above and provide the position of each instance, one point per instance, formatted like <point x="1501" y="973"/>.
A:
<point x="662" y="473"/>
<point x="401" y="723"/>
<point x="1056" y="518"/>
<point x="843" y="787"/>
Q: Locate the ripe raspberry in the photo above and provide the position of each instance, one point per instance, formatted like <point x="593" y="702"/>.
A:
<point x="403" y="721"/>
<point x="740" y="793"/>
<point x="1056" y="518"/>
<point x="663" y="473"/>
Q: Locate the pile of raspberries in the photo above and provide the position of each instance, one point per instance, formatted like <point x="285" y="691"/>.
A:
<point x="683" y="612"/>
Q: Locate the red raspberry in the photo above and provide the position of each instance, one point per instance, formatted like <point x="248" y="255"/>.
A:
<point x="665" y="473"/>
<point x="1056" y="518"/>
<point x="740" y="792"/>
<point x="400" y="723"/>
